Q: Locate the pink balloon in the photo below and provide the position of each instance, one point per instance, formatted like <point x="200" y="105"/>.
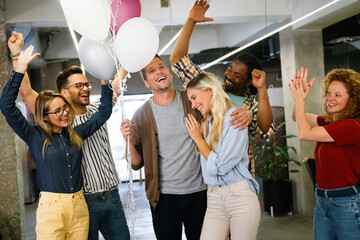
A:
<point x="123" y="10"/>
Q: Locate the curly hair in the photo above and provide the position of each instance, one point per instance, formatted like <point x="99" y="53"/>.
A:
<point x="351" y="79"/>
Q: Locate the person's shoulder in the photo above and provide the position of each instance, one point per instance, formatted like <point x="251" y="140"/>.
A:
<point x="143" y="108"/>
<point x="349" y="121"/>
<point x="227" y="115"/>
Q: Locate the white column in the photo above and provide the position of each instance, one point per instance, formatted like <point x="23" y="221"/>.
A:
<point x="302" y="48"/>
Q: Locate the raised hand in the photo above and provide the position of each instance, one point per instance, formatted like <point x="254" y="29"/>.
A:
<point x="298" y="91"/>
<point x="241" y="119"/>
<point x="193" y="127"/>
<point x="302" y="76"/>
<point x="197" y="13"/>
<point x="25" y="58"/>
<point x="258" y="78"/>
<point x="15" y="42"/>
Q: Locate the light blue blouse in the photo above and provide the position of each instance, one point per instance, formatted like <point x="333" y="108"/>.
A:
<point x="228" y="164"/>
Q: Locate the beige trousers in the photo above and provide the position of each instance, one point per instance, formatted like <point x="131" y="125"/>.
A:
<point x="62" y="216"/>
<point x="233" y="209"/>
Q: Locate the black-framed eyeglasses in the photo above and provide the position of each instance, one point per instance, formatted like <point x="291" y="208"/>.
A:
<point x="80" y="85"/>
<point x="60" y="112"/>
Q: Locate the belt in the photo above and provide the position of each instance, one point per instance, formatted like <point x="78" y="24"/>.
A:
<point x="101" y="191"/>
<point x="343" y="192"/>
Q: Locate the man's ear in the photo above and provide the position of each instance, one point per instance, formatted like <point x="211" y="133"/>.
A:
<point x="147" y="84"/>
<point x="65" y="93"/>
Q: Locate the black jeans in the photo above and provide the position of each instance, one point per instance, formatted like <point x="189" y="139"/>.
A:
<point x="174" y="210"/>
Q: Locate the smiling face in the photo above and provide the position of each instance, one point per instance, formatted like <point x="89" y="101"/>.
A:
<point x="200" y="100"/>
<point x="79" y="98"/>
<point x="235" y="78"/>
<point x="157" y="76"/>
<point x="61" y="121"/>
<point x="336" y="97"/>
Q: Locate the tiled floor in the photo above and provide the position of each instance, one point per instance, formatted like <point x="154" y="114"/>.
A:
<point x="294" y="227"/>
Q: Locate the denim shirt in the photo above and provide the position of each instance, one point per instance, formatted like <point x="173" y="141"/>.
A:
<point x="60" y="169"/>
<point x="228" y="164"/>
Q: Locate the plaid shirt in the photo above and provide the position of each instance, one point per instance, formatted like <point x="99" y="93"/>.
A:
<point x="186" y="70"/>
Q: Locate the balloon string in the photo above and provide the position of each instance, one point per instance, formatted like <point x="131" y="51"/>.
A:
<point x="119" y="97"/>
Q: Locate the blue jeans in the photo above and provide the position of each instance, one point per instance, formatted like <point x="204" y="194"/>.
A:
<point x="337" y="218"/>
<point x="107" y="215"/>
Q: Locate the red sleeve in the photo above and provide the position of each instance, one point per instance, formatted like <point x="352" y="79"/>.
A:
<point x="321" y="121"/>
<point x="344" y="132"/>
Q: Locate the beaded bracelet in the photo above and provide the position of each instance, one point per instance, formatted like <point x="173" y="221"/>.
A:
<point x="15" y="55"/>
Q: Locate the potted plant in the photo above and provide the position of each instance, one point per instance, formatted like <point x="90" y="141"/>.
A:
<point x="272" y="160"/>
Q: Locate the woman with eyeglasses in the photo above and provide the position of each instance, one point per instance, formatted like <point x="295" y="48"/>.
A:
<point x="56" y="149"/>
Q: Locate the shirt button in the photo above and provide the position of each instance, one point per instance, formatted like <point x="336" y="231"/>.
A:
<point x="72" y="188"/>
<point x="69" y="165"/>
<point x="70" y="176"/>
<point x="67" y="154"/>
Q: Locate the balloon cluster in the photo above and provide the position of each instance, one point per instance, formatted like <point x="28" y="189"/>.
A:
<point x="113" y="34"/>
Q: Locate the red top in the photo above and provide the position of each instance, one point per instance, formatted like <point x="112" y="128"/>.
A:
<point x="338" y="163"/>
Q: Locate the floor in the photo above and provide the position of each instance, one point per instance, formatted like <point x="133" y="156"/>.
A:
<point x="293" y="227"/>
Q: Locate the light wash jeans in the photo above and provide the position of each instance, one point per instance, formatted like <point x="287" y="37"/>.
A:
<point x="337" y="218"/>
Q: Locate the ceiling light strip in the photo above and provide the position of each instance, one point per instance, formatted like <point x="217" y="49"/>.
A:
<point x="268" y="35"/>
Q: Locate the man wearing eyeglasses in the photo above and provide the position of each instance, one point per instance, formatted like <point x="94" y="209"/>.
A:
<point x="100" y="179"/>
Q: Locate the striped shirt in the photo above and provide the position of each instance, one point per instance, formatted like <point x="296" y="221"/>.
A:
<point x="98" y="168"/>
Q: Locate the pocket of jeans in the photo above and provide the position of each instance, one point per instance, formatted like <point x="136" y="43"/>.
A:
<point x="115" y="196"/>
<point x="341" y="202"/>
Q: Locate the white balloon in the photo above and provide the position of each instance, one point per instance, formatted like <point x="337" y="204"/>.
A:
<point x="96" y="58"/>
<point x="89" y="18"/>
<point x="137" y="42"/>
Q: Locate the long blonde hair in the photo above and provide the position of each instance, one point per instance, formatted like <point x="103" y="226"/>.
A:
<point x="42" y="105"/>
<point x="219" y="105"/>
<point x="351" y="79"/>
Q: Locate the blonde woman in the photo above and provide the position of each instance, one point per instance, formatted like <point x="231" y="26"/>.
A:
<point x="56" y="149"/>
<point x="337" y="151"/>
<point x="232" y="203"/>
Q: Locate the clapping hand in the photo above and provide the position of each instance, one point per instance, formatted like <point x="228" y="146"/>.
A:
<point x="299" y="87"/>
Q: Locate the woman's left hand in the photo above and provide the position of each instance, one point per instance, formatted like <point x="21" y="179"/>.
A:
<point x="25" y="58"/>
<point x="193" y="127"/>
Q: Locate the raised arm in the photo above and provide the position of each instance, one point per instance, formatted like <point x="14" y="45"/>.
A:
<point x="305" y="130"/>
<point x="101" y="116"/>
<point x="264" y="114"/>
<point x="302" y="76"/>
<point x="197" y="14"/>
<point x="15" y="44"/>
<point x="10" y="91"/>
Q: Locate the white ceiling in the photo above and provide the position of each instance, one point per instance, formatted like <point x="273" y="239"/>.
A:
<point x="236" y="21"/>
